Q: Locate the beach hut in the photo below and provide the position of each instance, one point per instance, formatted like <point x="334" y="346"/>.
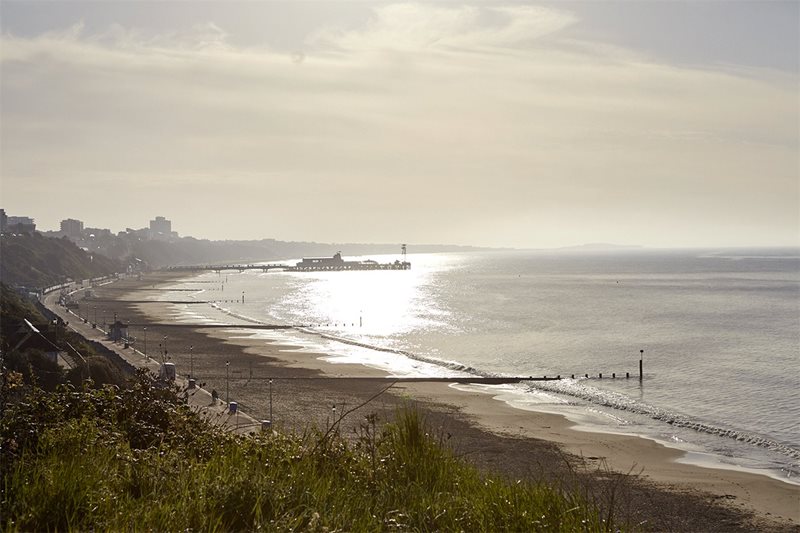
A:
<point x="118" y="331"/>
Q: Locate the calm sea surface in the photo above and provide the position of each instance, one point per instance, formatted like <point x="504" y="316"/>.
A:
<point x="720" y="333"/>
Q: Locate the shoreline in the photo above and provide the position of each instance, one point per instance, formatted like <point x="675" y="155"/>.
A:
<point x="767" y="498"/>
<point x="745" y="450"/>
<point x="577" y="422"/>
<point x="701" y="459"/>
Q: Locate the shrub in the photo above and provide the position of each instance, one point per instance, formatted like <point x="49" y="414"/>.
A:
<point x="138" y="458"/>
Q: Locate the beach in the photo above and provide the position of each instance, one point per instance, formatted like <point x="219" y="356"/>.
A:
<point x="299" y="391"/>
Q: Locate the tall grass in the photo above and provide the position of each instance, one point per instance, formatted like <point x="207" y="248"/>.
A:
<point x="89" y="472"/>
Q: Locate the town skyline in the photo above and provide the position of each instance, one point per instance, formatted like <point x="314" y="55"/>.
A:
<point x="160" y="228"/>
<point x="525" y="125"/>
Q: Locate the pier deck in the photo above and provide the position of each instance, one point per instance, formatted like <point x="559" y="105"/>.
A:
<point x="398" y="265"/>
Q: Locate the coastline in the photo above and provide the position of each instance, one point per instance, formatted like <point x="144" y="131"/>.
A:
<point x="501" y="430"/>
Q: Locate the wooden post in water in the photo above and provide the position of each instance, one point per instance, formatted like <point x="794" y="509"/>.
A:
<point x="641" y="356"/>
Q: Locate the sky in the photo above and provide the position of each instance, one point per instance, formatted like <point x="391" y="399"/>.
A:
<point x="528" y="125"/>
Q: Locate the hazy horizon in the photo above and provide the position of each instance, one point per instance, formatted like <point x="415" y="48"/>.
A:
<point x="522" y="125"/>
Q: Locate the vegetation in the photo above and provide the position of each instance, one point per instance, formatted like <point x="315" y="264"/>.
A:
<point x="14" y="308"/>
<point x="137" y="458"/>
<point x="38" y="261"/>
<point x="29" y="359"/>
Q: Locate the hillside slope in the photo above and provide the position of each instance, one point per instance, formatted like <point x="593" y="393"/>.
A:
<point x="39" y="261"/>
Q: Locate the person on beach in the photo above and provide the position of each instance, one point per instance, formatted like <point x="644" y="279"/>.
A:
<point x="214" y="395"/>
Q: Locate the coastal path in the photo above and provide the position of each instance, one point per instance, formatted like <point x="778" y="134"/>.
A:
<point x="198" y="398"/>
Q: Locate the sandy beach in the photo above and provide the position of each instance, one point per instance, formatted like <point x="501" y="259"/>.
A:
<point x="306" y="392"/>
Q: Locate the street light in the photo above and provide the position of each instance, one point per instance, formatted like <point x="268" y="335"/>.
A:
<point x="191" y="362"/>
<point x="166" y="354"/>
<point x="145" y="342"/>
<point x="227" y="382"/>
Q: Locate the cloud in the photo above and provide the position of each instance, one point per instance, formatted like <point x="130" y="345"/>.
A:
<point x="467" y="124"/>
<point x="414" y="26"/>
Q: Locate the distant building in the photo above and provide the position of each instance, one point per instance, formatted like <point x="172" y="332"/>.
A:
<point x="20" y="225"/>
<point x="316" y="262"/>
<point x="118" y="331"/>
<point x="28" y="337"/>
<point x="3" y="221"/>
<point x="143" y="233"/>
<point x="72" y="227"/>
<point x="161" y="225"/>
<point x="96" y="233"/>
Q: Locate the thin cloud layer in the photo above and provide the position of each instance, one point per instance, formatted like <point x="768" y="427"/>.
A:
<point x="427" y="124"/>
<point x="415" y="26"/>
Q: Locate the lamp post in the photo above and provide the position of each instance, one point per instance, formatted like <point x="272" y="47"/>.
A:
<point x="227" y="382"/>
<point x="191" y="362"/>
<point x="145" y="342"/>
<point x="166" y="354"/>
<point x="95" y="314"/>
<point x="270" y="401"/>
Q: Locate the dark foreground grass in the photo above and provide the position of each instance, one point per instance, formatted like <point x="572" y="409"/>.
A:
<point x="136" y="459"/>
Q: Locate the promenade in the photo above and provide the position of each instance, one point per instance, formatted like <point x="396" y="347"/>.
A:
<point x="199" y="399"/>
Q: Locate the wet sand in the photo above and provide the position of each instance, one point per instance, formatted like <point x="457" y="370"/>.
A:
<point x="662" y="494"/>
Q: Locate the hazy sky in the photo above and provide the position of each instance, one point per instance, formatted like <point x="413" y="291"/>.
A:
<point x="505" y="124"/>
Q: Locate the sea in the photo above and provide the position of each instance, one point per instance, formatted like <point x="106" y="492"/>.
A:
<point x="717" y="332"/>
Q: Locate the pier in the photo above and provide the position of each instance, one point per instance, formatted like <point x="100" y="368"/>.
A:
<point x="366" y="265"/>
<point x="238" y="268"/>
<point x="308" y="264"/>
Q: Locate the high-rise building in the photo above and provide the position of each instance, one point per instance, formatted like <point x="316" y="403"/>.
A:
<point x="72" y="227"/>
<point x="20" y="225"/>
<point x="161" y="225"/>
<point x="3" y="220"/>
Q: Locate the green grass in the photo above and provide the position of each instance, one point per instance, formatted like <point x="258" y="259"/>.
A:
<point x="113" y="459"/>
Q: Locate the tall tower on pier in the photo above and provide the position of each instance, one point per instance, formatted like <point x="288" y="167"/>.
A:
<point x="403" y="251"/>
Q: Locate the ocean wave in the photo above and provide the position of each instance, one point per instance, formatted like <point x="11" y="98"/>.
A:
<point x="244" y="318"/>
<point x="450" y="365"/>
<point x="577" y="389"/>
